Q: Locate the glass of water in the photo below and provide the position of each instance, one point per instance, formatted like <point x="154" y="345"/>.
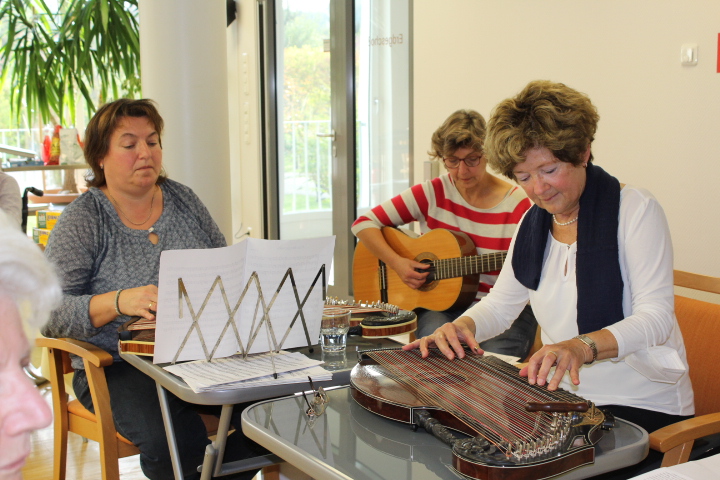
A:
<point x="334" y="328"/>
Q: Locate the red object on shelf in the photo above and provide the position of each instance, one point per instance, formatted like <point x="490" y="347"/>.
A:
<point x="45" y="153"/>
<point x="55" y="147"/>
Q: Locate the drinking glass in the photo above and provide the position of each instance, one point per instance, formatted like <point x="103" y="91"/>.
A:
<point x="334" y="328"/>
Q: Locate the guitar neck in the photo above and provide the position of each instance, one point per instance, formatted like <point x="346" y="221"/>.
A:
<point x="470" y="265"/>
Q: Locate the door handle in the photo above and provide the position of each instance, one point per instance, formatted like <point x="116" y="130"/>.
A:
<point x="327" y="135"/>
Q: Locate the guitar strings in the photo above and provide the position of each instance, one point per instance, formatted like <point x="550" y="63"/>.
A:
<point x="461" y="266"/>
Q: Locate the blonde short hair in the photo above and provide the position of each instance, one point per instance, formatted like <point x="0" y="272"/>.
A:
<point x="462" y="129"/>
<point x="544" y="114"/>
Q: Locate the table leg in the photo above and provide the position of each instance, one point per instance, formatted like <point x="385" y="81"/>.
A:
<point x="221" y="437"/>
<point x="207" y="466"/>
<point x="170" y="432"/>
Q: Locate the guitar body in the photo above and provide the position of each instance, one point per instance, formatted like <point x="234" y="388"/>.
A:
<point x="457" y="292"/>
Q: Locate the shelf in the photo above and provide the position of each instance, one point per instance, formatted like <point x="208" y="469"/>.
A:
<point x="53" y="198"/>
<point x="31" y="168"/>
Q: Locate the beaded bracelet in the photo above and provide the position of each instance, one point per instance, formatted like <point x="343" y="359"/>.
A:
<point x="117" y="302"/>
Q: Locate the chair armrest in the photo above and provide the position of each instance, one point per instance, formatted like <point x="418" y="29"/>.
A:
<point x="669" y="437"/>
<point x="95" y="355"/>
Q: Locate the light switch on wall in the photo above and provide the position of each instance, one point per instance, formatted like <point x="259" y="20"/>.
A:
<point x="689" y="54"/>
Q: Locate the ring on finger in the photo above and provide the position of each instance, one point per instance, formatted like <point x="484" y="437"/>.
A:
<point x="150" y="305"/>
<point x="554" y="353"/>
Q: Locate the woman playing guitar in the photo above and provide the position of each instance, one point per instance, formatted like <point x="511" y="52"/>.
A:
<point x="466" y="199"/>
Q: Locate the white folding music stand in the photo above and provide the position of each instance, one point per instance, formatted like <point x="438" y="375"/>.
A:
<point x="184" y="298"/>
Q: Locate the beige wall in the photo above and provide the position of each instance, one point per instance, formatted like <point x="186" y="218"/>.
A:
<point x="660" y="121"/>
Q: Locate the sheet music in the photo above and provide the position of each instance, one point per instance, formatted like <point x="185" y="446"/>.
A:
<point x="664" y="474"/>
<point x="236" y="372"/>
<point x="199" y="270"/>
<point x="703" y="469"/>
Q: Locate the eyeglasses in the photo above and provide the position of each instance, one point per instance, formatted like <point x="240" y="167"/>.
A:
<point x="320" y="399"/>
<point x="472" y="161"/>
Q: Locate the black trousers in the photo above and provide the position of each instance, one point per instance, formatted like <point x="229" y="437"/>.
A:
<point x="136" y="412"/>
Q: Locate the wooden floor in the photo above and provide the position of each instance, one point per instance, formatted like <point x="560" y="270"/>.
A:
<point x="83" y="462"/>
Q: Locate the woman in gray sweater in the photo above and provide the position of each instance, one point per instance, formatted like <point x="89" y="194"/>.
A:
<point x="106" y="246"/>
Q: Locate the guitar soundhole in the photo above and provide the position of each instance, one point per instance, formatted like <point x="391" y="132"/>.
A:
<point x="430" y="280"/>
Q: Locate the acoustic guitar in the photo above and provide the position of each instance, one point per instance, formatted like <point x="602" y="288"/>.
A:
<point x="455" y="269"/>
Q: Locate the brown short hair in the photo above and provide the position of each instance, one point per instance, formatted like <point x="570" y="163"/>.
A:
<point x="464" y="128"/>
<point x="544" y="114"/>
<point x="102" y="125"/>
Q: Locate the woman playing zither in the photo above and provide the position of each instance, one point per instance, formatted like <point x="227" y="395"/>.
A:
<point x="593" y="256"/>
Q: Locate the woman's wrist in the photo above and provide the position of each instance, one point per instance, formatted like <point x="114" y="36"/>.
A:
<point x="117" y="302"/>
<point x="467" y="322"/>
<point x="589" y="348"/>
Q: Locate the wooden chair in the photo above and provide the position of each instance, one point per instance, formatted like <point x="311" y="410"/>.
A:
<point x="700" y="325"/>
<point x="74" y="417"/>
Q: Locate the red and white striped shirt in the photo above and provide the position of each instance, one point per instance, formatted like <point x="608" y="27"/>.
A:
<point x="438" y="204"/>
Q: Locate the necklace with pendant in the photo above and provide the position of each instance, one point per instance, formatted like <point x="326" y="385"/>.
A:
<point x="152" y="236"/>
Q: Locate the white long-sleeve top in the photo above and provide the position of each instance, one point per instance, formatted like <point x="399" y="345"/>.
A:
<point x="646" y="265"/>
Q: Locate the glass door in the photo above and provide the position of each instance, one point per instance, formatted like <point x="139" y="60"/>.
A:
<point x="314" y="114"/>
<point x="305" y="138"/>
<point x="383" y="89"/>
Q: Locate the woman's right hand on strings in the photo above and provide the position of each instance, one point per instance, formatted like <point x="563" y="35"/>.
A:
<point x="449" y="339"/>
<point x="139" y="301"/>
<point x="407" y="270"/>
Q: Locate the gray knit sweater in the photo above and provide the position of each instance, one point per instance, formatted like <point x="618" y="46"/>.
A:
<point x="95" y="253"/>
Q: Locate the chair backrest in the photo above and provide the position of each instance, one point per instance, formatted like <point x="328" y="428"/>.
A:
<point x="700" y="325"/>
<point x="73" y="417"/>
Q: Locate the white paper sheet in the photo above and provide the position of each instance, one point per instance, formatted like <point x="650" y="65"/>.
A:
<point x="705" y="469"/>
<point x="235" y="264"/>
<point x="236" y="372"/>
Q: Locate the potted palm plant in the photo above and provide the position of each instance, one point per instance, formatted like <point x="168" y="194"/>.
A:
<point x="57" y="53"/>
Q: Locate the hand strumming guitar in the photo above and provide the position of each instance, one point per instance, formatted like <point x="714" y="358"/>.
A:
<point x="407" y="270"/>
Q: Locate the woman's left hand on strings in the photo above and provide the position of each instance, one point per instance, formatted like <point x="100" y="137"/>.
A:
<point x="564" y="356"/>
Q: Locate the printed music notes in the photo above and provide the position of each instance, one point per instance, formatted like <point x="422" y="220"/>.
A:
<point x="254" y="296"/>
<point x="236" y="372"/>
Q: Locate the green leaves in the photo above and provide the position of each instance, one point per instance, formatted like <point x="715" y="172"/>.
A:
<point x="87" y="49"/>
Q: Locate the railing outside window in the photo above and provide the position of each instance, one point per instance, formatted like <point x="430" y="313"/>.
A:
<point x="26" y="138"/>
<point x="307" y="186"/>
